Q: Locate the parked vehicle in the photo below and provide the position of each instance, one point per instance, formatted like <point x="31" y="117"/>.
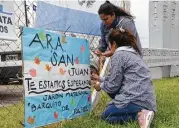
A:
<point x="10" y="66"/>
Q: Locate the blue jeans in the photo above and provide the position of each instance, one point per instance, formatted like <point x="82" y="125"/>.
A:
<point x="114" y="115"/>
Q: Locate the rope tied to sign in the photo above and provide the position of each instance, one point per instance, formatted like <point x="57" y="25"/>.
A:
<point x="102" y="67"/>
<point x="100" y="63"/>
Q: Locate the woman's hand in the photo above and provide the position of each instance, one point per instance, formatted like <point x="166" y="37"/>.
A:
<point x="95" y="77"/>
<point x="96" y="85"/>
<point x="97" y="52"/>
<point x="107" y="53"/>
<point x="95" y="81"/>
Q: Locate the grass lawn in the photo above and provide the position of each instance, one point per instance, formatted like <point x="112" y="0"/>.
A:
<point x="167" y="92"/>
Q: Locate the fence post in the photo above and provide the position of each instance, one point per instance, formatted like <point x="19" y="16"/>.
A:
<point x="26" y="17"/>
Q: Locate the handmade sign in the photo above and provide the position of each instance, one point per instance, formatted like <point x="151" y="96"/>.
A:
<point x="56" y="77"/>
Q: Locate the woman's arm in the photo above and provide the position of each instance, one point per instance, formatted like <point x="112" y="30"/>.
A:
<point x="102" y="43"/>
<point x="113" y="82"/>
<point x="107" y="53"/>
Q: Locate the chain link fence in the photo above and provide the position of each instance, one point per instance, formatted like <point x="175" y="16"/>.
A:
<point x="11" y="88"/>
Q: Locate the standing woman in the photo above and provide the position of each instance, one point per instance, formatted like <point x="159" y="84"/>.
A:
<point x="114" y="17"/>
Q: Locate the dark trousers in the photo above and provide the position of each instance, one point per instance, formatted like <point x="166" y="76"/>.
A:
<point x="114" y="115"/>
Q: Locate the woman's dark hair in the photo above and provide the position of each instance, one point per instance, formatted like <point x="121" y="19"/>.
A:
<point x="123" y="38"/>
<point x="108" y="9"/>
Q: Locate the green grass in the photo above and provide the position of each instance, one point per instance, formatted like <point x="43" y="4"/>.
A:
<point x="10" y="117"/>
<point x="167" y="92"/>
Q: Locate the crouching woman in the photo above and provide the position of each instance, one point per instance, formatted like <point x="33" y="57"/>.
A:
<point x="129" y="83"/>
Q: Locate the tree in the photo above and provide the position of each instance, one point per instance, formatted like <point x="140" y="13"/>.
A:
<point x="89" y="3"/>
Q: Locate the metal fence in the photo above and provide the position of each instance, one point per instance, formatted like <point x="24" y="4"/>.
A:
<point x="11" y="88"/>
